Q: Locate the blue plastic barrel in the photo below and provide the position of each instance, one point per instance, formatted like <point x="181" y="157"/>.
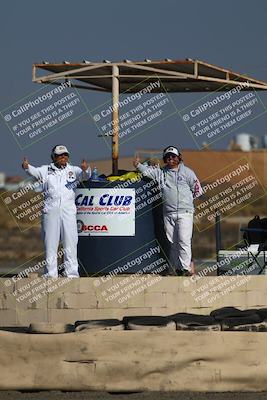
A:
<point x="144" y="252"/>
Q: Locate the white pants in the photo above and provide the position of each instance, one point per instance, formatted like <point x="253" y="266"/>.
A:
<point x="179" y="229"/>
<point x="60" y="224"/>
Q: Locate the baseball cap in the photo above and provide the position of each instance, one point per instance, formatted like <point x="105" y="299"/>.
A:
<point x="172" y="150"/>
<point x="60" y="149"/>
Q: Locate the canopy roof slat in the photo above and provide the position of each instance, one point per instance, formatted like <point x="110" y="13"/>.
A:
<point x="175" y="75"/>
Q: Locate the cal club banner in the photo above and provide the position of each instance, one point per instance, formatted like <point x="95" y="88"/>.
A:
<point x="105" y="212"/>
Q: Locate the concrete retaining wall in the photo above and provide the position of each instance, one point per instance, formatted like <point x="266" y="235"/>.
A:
<point x="60" y="300"/>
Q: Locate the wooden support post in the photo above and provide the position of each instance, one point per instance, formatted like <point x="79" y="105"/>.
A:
<point x="115" y="119"/>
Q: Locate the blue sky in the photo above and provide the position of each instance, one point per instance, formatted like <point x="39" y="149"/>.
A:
<point x="230" y="34"/>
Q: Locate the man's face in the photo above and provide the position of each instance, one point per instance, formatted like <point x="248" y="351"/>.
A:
<point x="172" y="160"/>
<point x="62" y="159"/>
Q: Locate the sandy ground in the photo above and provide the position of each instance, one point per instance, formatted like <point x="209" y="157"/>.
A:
<point x="13" y="395"/>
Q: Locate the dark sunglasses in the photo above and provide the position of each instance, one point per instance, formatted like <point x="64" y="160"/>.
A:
<point x="63" y="154"/>
<point x="168" y="156"/>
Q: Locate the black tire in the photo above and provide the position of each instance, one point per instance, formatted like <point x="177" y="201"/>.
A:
<point x="50" y="328"/>
<point x="151" y="323"/>
<point x="229" y="323"/>
<point x="260" y="327"/>
<point x="231" y="312"/>
<point x="102" y="324"/>
<point x="191" y="327"/>
<point x="186" y="321"/>
<point x="193" y="319"/>
<point x="262" y="312"/>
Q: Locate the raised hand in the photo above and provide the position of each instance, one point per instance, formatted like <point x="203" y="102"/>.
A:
<point x="25" y="164"/>
<point x="136" y="161"/>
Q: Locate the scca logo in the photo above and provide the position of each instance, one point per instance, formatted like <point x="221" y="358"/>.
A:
<point x="95" y="228"/>
<point x="81" y="227"/>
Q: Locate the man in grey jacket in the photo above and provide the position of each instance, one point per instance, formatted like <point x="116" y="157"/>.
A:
<point x="179" y="186"/>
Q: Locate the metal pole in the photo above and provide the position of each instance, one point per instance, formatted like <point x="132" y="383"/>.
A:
<point x="218" y="233"/>
<point x="115" y="118"/>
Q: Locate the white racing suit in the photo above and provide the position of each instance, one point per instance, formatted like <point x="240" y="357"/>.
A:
<point x="59" y="214"/>
<point x="179" y="188"/>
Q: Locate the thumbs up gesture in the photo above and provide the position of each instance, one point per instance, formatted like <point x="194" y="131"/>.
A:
<point x="136" y="161"/>
<point x="25" y="164"/>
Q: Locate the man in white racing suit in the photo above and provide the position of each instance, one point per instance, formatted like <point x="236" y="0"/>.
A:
<point x="179" y="186"/>
<point x="59" y="181"/>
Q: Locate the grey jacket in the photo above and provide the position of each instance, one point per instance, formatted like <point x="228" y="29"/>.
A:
<point x="179" y="188"/>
